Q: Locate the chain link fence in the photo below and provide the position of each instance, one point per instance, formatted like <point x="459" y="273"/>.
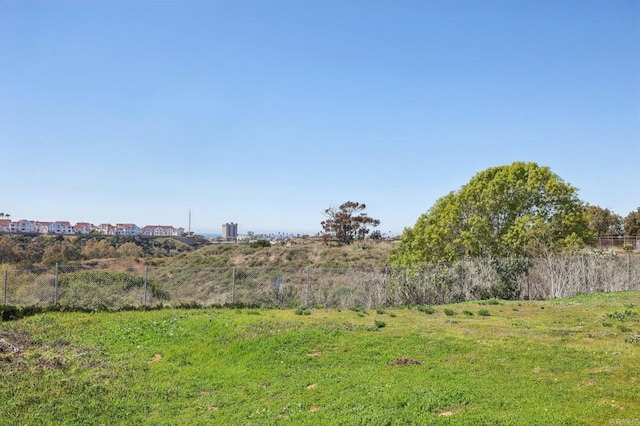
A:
<point x="93" y="288"/>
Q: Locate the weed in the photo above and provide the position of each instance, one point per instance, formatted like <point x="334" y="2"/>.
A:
<point x="393" y="315"/>
<point x="449" y="312"/>
<point x="624" y="329"/>
<point x="467" y="313"/>
<point x="483" y="313"/>
<point x="362" y="314"/>
<point x="378" y="325"/>
<point x="607" y="324"/>
<point x="633" y="339"/>
<point x="623" y="316"/>
<point x="380" y="311"/>
<point x="493" y="301"/>
<point x="302" y="311"/>
<point x="426" y="309"/>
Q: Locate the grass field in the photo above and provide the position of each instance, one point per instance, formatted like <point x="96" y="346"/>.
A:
<point x="565" y="361"/>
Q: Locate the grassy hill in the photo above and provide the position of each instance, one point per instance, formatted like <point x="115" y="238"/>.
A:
<point x="573" y="361"/>
<point x="298" y="253"/>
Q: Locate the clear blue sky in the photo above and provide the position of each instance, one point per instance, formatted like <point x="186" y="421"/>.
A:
<point x="267" y="112"/>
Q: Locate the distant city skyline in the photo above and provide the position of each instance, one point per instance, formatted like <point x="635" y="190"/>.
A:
<point x="267" y="113"/>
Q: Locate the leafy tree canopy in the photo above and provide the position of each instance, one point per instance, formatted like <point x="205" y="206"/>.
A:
<point x="632" y="223"/>
<point x="520" y="209"/>
<point x="347" y="222"/>
<point x="603" y="221"/>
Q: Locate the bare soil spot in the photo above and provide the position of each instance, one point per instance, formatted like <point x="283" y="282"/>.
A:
<point x="312" y="386"/>
<point x="156" y="358"/>
<point x="314" y="409"/>
<point x="404" y="361"/>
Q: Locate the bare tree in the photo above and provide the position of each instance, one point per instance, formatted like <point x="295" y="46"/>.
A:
<point x="347" y="223"/>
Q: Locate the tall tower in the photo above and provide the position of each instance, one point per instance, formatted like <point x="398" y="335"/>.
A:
<point x="230" y="231"/>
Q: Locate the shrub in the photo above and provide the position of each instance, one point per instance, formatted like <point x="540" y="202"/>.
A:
<point x="449" y="312"/>
<point x="468" y="313"/>
<point x="483" y="313"/>
<point x="426" y="309"/>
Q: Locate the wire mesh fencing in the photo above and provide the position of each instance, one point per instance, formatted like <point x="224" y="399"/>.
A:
<point x="96" y="288"/>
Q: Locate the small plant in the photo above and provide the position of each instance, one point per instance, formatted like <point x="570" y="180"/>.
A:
<point x="380" y="311"/>
<point x="624" y="329"/>
<point x="426" y="309"/>
<point x="393" y="315"/>
<point x="493" y="301"/>
<point x="607" y="324"/>
<point x="622" y="316"/>
<point x="302" y="311"/>
<point x="633" y="339"/>
<point x="379" y="324"/>
<point x="449" y="312"/>
<point x="483" y="313"/>
<point x="467" y="313"/>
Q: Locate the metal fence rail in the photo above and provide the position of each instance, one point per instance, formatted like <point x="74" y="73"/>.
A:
<point x="101" y="289"/>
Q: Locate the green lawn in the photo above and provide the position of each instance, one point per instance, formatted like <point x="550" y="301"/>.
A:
<point x="569" y="361"/>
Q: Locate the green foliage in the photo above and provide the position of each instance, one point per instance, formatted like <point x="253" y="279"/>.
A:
<point x="509" y="211"/>
<point x="603" y="222"/>
<point x="467" y="313"/>
<point x="449" y="312"/>
<point x="426" y="309"/>
<point x="260" y="243"/>
<point x="623" y="316"/>
<point x="632" y="223"/>
<point x="302" y="311"/>
<point x="483" y="313"/>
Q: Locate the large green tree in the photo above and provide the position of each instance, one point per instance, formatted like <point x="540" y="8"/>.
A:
<point x="632" y="223"/>
<point x="520" y="209"/>
<point x="603" y="221"/>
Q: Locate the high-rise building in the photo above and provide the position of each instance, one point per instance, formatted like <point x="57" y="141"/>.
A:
<point x="230" y="231"/>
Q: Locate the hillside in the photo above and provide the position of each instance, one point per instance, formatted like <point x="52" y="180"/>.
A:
<point x="297" y="253"/>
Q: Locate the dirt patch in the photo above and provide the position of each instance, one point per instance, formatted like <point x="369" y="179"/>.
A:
<point x="312" y="386"/>
<point x="156" y="358"/>
<point x="314" y="409"/>
<point x="404" y="361"/>
<point x="14" y="341"/>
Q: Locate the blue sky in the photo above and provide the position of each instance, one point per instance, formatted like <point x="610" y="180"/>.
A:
<point x="267" y="112"/>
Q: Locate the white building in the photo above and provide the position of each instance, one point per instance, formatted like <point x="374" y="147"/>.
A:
<point x="61" y="227"/>
<point x="5" y="225"/>
<point x="162" y="231"/>
<point x="127" y="229"/>
<point x="23" y="226"/>
<point x="83" y="228"/>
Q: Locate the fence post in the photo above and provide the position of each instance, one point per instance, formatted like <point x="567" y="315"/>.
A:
<point x="528" y="286"/>
<point x="233" y="286"/>
<point x="385" y="284"/>
<point x="628" y="270"/>
<point x="6" y="280"/>
<point x="306" y="303"/>
<point x="585" y="275"/>
<point x="55" y="287"/>
<point x="146" y="282"/>
<point x="462" y="280"/>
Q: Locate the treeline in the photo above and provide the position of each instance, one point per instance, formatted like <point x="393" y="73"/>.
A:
<point x="48" y="250"/>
